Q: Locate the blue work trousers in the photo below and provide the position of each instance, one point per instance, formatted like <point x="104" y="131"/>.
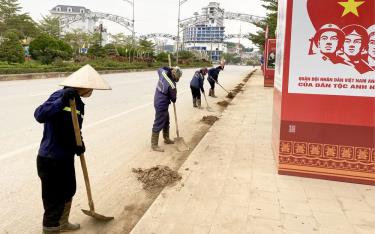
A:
<point x="161" y="121"/>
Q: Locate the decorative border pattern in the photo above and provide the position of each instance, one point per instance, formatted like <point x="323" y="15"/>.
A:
<point x="338" y="157"/>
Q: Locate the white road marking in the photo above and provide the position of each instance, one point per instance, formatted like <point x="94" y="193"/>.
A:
<point x="35" y="145"/>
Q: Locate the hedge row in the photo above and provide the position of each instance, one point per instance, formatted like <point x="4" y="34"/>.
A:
<point x="33" y="68"/>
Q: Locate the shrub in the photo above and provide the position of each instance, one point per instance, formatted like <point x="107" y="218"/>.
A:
<point x="96" y="51"/>
<point x="110" y="50"/>
<point x="46" y="49"/>
<point x="11" y="49"/>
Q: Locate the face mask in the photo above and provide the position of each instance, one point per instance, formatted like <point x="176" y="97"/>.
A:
<point x="86" y="94"/>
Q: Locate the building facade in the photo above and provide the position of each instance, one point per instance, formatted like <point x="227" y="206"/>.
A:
<point x="85" y="24"/>
<point x="63" y="11"/>
<point x="208" y="36"/>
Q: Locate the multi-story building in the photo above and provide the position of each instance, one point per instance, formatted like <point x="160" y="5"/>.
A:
<point x="207" y="36"/>
<point x="85" y="24"/>
<point x="63" y="11"/>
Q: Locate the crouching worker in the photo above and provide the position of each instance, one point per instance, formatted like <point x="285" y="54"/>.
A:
<point x="55" y="161"/>
<point x="165" y="93"/>
<point x="196" y="86"/>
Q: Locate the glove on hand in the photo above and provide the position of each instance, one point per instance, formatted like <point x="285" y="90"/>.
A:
<point x="69" y="93"/>
<point x="80" y="149"/>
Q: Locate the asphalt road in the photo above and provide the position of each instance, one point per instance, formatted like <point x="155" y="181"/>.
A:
<point x="117" y="130"/>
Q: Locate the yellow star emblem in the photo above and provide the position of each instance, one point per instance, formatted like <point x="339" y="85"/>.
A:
<point x="351" y="7"/>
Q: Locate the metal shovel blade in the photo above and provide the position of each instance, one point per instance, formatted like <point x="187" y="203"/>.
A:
<point x="181" y="145"/>
<point x="209" y="109"/>
<point x="96" y="216"/>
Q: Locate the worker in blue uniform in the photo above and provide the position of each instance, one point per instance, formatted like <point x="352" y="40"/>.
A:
<point x="55" y="161"/>
<point x="165" y="93"/>
<point x="213" y="76"/>
<point x="196" y="86"/>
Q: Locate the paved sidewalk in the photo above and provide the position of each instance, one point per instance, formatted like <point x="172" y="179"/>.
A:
<point x="230" y="184"/>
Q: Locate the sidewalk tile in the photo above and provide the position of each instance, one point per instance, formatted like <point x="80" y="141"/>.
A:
<point x="298" y="195"/>
<point x="323" y="205"/>
<point x="361" y="218"/>
<point x="320" y="193"/>
<point x="295" y="208"/>
<point x="302" y="224"/>
<point x="232" y="186"/>
<point x="265" y="210"/>
<point x="262" y="226"/>
<point x="355" y="204"/>
<point x="332" y="220"/>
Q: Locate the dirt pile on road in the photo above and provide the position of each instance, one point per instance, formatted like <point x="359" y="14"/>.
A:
<point x="246" y="79"/>
<point x="209" y="119"/>
<point x="223" y="103"/>
<point x="231" y="95"/>
<point x="156" y="177"/>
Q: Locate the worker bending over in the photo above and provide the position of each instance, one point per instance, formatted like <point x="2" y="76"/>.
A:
<point x="165" y="93"/>
<point x="55" y="161"/>
<point x="196" y="86"/>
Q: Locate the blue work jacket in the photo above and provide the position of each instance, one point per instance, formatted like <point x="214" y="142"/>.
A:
<point x="197" y="81"/>
<point x="213" y="74"/>
<point x="58" y="140"/>
<point x="166" y="91"/>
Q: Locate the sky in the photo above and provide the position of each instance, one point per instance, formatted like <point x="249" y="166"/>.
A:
<point x="152" y="16"/>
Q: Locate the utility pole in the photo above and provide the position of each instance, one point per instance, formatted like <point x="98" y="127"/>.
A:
<point x="131" y="2"/>
<point x="180" y="2"/>
<point x="133" y="25"/>
<point x="101" y="34"/>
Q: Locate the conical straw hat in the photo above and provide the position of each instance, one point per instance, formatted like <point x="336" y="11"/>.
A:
<point x="86" y="77"/>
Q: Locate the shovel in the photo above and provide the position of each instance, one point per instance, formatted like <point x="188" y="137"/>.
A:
<point x="180" y="142"/>
<point x="77" y="134"/>
<point x="208" y="106"/>
<point x="230" y="94"/>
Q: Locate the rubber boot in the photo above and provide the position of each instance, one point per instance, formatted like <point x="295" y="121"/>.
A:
<point x="51" y="230"/>
<point x="155" y="141"/>
<point x="167" y="140"/>
<point x="199" y="103"/>
<point x="210" y="93"/>
<point x="213" y="94"/>
<point x="65" y="225"/>
<point x="194" y="102"/>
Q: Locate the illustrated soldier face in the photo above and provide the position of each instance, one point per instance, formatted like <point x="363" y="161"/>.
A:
<point x="371" y="46"/>
<point x="328" y="42"/>
<point x="352" y="44"/>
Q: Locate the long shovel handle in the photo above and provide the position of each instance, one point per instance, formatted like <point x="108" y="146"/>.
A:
<point x="77" y="134"/>
<point x="222" y="87"/>
<point x="204" y="95"/>
<point x="175" y="119"/>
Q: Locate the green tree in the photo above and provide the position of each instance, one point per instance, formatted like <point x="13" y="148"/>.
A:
<point x="271" y="20"/>
<point x="50" y="25"/>
<point x="186" y="55"/>
<point x="96" y="51"/>
<point x="78" y="39"/>
<point x="8" y="9"/>
<point x="23" y="23"/>
<point x="120" y="39"/>
<point x="10" y="18"/>
<point x="110" y="50"/>
<point x="146" y="46"/>
<point x="11" y="49"/>
<point x="46" y="49"/>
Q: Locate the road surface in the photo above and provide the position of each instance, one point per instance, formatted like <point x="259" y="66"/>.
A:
<point x="117" y="131"/>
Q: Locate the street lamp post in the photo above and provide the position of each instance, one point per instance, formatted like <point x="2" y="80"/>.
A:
<point x="180" y="2"/>
<point x="131" y="2"/>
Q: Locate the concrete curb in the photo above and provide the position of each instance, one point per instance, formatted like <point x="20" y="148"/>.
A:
<point x="201" y="144"/>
